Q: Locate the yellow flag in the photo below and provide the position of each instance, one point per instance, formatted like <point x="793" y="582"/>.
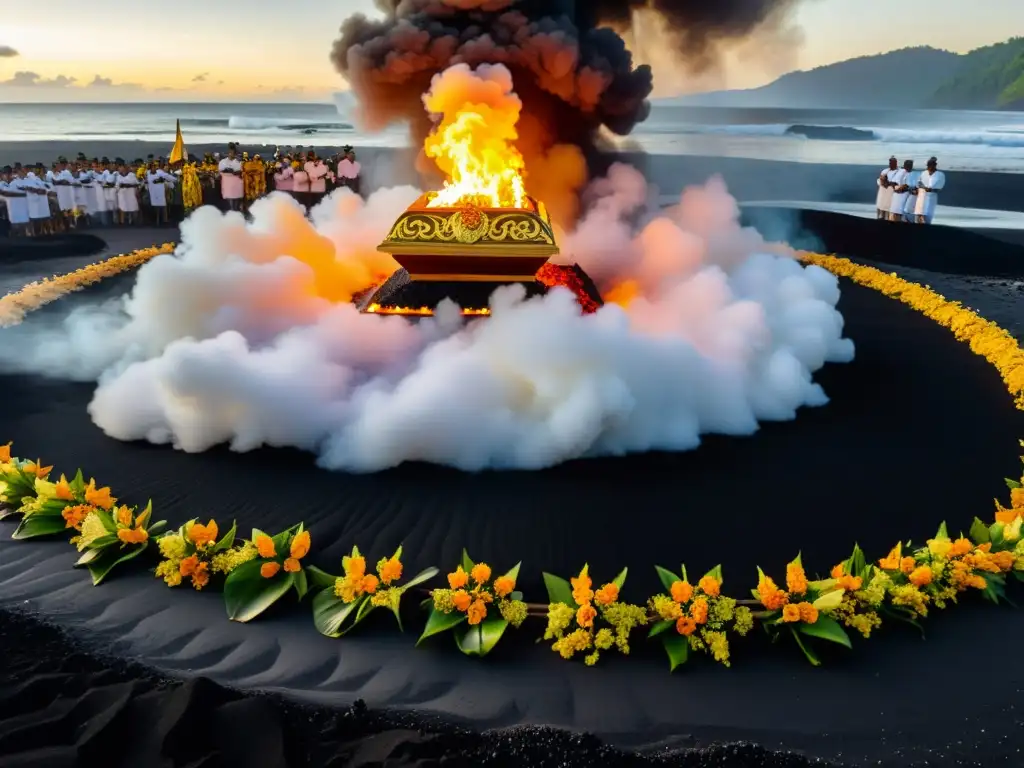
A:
<point x="178" y="153"/>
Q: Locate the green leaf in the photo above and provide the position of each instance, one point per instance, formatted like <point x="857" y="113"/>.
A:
<point x="942" y="533"/>
<point x="247" y="594"/>
<point x="87" y="557"/>
<point x="142" y="520"/>
<point x="559" y="590"/>
<point x="419" y="578"/>
<point x="716" y="574"/>
<point x="282" y="539"/>
<point x="667" y="577"/>
<point x="301" y="584"/>
<point x="856" y="562"/>
<point x="826" y="628"/>
<point x="440" y="622"/>
<point x="77" y="485"/>
<point x="829" y="601"/>
<point x="228" y="539"/>
<point x="658" y="627"/>
<point x="111" y="557"/>
<point x="480" y="639"/>
<point x="6" y="512"/>
<point x="1011" y="484"/>
<point x="995" y="589"/>
<point x="466" y="563"/>
<point x="995" y="534"/>
<point x="319" y="579"/>
<point x="815" y="661"/>
<point x="157" y="527"/>
<point x="513" y="573"/>
<point x="103" y="542"/>
<point x="107" y="520"/>
<point x="620" y="580"/>
<point x="678" y="649"/>
<point x="978" y="532"/>
<point x="330" y="612"/>
<point x="398" y="553"/>
<point x="35" y="526"/>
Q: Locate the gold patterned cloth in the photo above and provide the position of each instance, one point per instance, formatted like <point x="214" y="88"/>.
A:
<point x="191" y="189"/>
<point x="254" y="179"/>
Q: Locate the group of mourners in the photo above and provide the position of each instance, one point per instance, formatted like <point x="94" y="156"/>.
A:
<point x="907" y="195"/>
<point x="35" y="200"/>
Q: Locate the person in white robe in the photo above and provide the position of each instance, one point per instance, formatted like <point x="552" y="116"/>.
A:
<point x="38" y="203"/>
<point x="932" y="181"/>
<point x="900" y="191"/>
<point x="110" y="190"/>
<point x="82" y="189"/>
<point x="349" y="170"/>
<point x="63" y="180"/>
<point x="127" y="185"/>
<point x="157" y="182"/>
<point x="317" y="171"/>
<point x="232" y="187"/>
<point x="16" y="198"/>
<point x="883" y="200"/>
<point x="911" y="204"/>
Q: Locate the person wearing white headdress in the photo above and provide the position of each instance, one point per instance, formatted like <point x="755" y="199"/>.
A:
<point x="900" y="191"/>
<point x="63" y="180"/>
<point x="127" y="184"/>
<point x="82" y="189"/>
<point x="16" y="198"/>
<point x="883" y="200"/>
<point x="38" y="203"/>
<point x="157" y="182"/>
<point x="232" y="185"/>
<point x="911" y="204"/>
<point x="932" y="181"/>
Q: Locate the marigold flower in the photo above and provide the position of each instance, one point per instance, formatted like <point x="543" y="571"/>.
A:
<point x="891" y="562"/>
<point x="300" y="545"/>
<point x="699" y="610"/>
<point x="685" y="626"/>
<point x="1006" y="516"/>
<point x="123" y="515"/>
<point x="477" y="611"/>
<point x="581" y="591"/>
<point x="188" y="566"/>
<point x="481" y="573"/>
<point x="808" y="613"/>
<point x="770" y="595"/>
<point x="203" y="535"/>
<point x="74" y="516"/>
<point x="503" y="586"/>
<point x="291" y="565"/>
<point x="265" y="546"/>
<point x="133" y="535"/>
<point x="354" y="567"/>
<point x="370" y="583"/>
<point x="201" y="576"/>
<point x="961" y="547"/>
<point x="461" y="600"/>
<point x="99" y="497"/>
<point x="681" y="591"/>
<point x="585" y="615"/>
<point x="389" y="570"/>
<point x="844" y="580"/>
<point x="458" y="579"/>
<point x="33" y="468"/>
<point x="5" y="453"/>
<point x="62" y="490"/>
<point x="907" y="565"/>
<point x="1003" y="560"/>
<point x="710" y="586"/>
<point x="269" y="570"/>
<point x="921" y="576"/>
<point x="796" y="579"/>
<point x="607" y="594"/>
<point x="791" y="613"/>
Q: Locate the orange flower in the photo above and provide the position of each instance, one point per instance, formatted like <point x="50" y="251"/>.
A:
<point x="710" y="586"/>
<point x="891" y="562"/>
<point x="796" y="579"/>
<point x="681" y="591"/>
<point x="370" y="583"/>
<point x="808" y="613"/>
<point x="1006" y="516"/>
<point x="699" y="610"/>
<point x="63" y="491"/>
<point x="291" y="565"/>
<point x="133" y="535"/>
<point x="581" y="591"/>
<point x="907" y="565"/>
<point x="458" y="579"/>
<point x="790" y="613"/>
<point x="481" y="573"/>
<point x="188" y="566"/>
<point x="685" y="626"/>
<point x="961" y="547"/>
<point x="477" y="611"/>
<point x="73" y="516"/>
<point x="201" y="577"/>
<point x="461" y="600"/>
<point x="503" y="586"/>
<point x="300" y="546"/>
<point x="99" y="497"/>
<point x="203" y="535"/>
<point x="585" y="615"/>
<point x="123" y="515"/>
<point x="355" y="567"/>
<point x="5" y="453"/>
<point x="607" y="594"/>
<point x="1017" y="498"/>
<point x="391" y="570"/>
<point x="844" y="580"/>
<point x="770" y="595"/>
<point x="265" y="547"/>
<point x="921" y="576"/>
<point x="34" y="468"/>
<point x="269" y="570"/>
<point x="1003" y="560"/>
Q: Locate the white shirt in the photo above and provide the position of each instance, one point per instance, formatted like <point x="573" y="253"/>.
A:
<point x="38" y="205"/>
<point x="127" y="184"/>
<point x="899" y="199"/>
<point x="231" y="185"/>
<point x="928" y="201"/>
<point x="17" y="207"/>
<point x="884" y="198"/>
<point x="156" y="182"/>
<point x="912" y="179"/>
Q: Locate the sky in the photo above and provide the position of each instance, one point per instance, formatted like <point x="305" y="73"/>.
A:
<point x="269" y="50"/>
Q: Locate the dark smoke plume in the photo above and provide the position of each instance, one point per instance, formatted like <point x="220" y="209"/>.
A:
<point x="571" y="66"/>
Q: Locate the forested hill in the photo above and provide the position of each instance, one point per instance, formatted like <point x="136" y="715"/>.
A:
<point x="989" y="78"/>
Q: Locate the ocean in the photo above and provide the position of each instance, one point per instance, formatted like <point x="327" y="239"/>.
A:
<point x="963" y="141"/>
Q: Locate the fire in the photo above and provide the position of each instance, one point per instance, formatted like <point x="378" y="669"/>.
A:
<point x="377" y="309"/>
<point x="474" y="142"/>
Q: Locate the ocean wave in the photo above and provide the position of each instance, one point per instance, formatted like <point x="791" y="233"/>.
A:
<point x="1004" y="137"/>
<point x="260" y="124"/>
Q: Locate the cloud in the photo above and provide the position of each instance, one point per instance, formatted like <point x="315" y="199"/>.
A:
<point x="201" y="78"/>
<point x="6" y="52"/>
<point x="106" y="82"/>
<point x="220" y="82"/>
<point x="26" y="79"/>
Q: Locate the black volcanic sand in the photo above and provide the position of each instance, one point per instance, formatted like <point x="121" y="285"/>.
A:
<point x="919" y="430"/>
<point x="952" y="250"/>
<point x="17" y="249"/>
<point x="401" y="292"/>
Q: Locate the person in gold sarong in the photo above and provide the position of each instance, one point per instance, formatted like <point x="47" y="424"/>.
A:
<point x="254" y="178"/>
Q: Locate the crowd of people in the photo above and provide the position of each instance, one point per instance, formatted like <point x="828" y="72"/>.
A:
<point x="35" y="200"/>
<point x="907" y="195"/>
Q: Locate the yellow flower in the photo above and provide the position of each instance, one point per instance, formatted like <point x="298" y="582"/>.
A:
<point x="171" y="546"/>
<point x="481" y="573"/>
<point x="940" y="547"/>
<point x="92" y="529"/>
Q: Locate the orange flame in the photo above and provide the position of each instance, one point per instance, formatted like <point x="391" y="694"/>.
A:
<point x="377" y="309"/>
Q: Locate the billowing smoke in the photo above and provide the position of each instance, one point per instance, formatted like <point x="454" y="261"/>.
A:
<point x="570" y="65"/>
<point x="243" y="336"/>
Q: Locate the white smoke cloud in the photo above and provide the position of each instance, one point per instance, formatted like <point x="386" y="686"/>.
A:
<point x="247" y="336"/>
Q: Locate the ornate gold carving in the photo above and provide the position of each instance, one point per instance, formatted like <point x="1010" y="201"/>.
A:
<point x="471" y="226"/>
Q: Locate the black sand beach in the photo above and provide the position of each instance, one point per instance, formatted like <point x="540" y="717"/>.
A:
<point x="875" y="465"/>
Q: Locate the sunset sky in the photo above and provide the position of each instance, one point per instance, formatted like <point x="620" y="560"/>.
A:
<point x="213" y="50"/>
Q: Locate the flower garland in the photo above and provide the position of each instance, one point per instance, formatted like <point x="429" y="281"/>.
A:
<point x="14" y="306"/>
<point x="478" y="606"/>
